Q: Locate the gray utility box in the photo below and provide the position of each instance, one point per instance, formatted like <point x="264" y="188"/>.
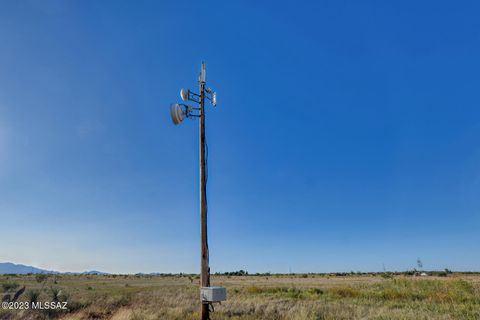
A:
<point x="213" y="294"/>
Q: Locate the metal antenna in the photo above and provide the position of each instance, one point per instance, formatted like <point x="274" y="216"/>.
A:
<point x="179" y="112"/>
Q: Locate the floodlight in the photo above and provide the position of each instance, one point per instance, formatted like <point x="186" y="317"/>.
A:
<point x="184" y="94"/>
<point x="177" y="113"/>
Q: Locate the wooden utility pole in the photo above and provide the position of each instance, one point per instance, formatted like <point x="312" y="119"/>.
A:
<point x="178" y="112"/>
<point x="205" y="270"/>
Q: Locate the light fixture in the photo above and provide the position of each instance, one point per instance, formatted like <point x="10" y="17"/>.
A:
<point x="177" y="113"/>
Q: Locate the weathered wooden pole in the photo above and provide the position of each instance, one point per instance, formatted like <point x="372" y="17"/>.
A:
<point x="205" y="270"/>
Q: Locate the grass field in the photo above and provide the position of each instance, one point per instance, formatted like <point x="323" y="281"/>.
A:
<point x="250" y="297"/>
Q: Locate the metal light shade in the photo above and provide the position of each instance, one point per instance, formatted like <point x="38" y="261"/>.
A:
<point x="177" y="113"/>
<point x="184" y="94"/>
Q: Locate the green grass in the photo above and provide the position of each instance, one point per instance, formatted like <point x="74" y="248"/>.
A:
<point x="426" y="299"/>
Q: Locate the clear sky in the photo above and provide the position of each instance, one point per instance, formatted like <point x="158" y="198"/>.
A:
<point x="346" y="137"/>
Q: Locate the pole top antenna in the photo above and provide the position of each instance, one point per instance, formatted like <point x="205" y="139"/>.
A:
<point x="203" y="73"/>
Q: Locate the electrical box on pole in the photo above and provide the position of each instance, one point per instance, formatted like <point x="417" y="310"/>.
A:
<point x="213" y="294"/>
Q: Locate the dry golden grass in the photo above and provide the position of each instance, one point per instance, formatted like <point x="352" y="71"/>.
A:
<point x="256" y="297"/>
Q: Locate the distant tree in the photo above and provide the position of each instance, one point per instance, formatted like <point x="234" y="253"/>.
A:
<point x="41" y="277"/>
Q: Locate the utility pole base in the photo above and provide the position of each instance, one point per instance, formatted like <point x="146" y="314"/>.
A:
<point x="205" y="312"/>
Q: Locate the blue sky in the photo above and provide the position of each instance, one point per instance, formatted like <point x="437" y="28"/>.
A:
<point x="346" y="135"/>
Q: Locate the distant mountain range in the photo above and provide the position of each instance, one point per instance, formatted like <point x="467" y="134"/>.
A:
<point x="11" y="268"/>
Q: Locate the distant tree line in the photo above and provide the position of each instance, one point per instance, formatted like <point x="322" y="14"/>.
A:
<point x="42" y="277"/>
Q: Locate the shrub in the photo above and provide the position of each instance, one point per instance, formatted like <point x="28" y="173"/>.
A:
<point x="55" y="294"/>
<point x="41" y="277"/>
<point x="32" y="295"/>
<point x="7" y="286"/>
<point x="253" y="289"/>
<point x="315" y="291"/>
<point x="344" y="292"/>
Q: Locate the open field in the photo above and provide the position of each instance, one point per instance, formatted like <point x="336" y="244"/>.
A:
<point x="251" y="297"/>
